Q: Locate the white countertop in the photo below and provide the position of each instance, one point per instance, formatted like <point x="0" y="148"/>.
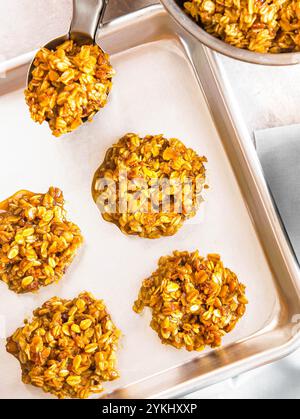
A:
<point x="267" y="96"/>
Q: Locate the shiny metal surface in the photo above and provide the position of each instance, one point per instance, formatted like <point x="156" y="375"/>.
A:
<point x="280" y="336"/>
<point x="174" y="7"/>
<point x="87" y="16"/>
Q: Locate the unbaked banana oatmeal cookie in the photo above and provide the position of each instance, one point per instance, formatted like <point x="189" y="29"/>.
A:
<point x="194" y="300"/>
<point x="37" y="241"/>
<point x="68" y="348"/>
<point x="148" y="186"/>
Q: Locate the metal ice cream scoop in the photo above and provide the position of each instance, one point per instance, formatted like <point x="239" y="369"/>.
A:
<point x="87" y="17"/>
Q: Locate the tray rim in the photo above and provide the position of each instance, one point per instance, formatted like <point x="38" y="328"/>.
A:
<point x="214" y="63"/>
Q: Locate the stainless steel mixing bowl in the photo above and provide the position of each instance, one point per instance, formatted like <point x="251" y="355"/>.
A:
<point x="175" y="8"/>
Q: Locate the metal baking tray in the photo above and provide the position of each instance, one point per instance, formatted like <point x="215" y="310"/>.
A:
<point x="166" y="83"/>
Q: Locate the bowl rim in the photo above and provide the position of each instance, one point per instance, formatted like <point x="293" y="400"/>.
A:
<point x="280" y="59"/>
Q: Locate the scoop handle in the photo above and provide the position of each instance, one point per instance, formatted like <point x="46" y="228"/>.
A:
<point x="87" y="16"/>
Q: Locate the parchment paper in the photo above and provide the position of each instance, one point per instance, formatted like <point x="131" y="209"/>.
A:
<point x="155" y="91"/>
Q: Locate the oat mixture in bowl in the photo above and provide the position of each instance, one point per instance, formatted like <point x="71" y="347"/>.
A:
<point x="194" y="300"/>
<point x="37" y="241"/>
<point x="263" y="26"/>
<point x="68" y="86"/>
<point x="148" y="186"/>
<point x="68" y="348"/>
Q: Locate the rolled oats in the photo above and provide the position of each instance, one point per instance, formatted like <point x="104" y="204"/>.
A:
<point x="194" y="300"/>
<point x="37" y="242"/>
<point x="68" y="85"/>
<point x="149" y="186"/>
<point x="60" y="356"/>
<point x="258" y="25"/>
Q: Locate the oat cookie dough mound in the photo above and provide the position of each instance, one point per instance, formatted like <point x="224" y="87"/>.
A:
<point x="68" y="85"/>
<point x="194" y="300"/>
<point x="258" y="25"/>
<point x="149" y="186"/>
<point x="68" y="348"/>
<point x="37" y="242"/>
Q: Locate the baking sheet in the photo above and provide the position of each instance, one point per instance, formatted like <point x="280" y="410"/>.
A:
<point x="155" y="91"/>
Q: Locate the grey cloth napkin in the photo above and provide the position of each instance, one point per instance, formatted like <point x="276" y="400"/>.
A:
<point x="279" y="152"/>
